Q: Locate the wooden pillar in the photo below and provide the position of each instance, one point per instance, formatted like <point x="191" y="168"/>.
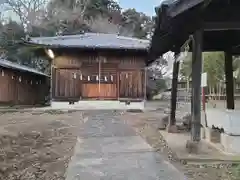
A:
<point x="145" y="84"/>
<point x="196" y="86"/>
<point x="52" y="83"/>
<point x="229" y="80"/>
<point x="172" y="118"/>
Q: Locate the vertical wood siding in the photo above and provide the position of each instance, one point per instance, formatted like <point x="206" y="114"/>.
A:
<point x="67" y="83"/>
<point x="22" y="88"/>
<point x="121" y="76"/>
<point x="131" y="84"/>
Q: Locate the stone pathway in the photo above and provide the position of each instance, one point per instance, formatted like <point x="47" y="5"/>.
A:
<point x="108" y="149"/>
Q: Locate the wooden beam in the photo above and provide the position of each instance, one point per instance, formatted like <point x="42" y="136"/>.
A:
<point x="196" y="85"/>
<point x="229" y="80"/>
<point x="221" y="26"/>
<point x="183" y="6"/>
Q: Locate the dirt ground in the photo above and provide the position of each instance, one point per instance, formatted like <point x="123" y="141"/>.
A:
<point x="146" y="125"/>
<point x="37" y="145"/>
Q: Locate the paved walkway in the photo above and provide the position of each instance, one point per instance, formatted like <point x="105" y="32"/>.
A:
<point x="108" y="149"/>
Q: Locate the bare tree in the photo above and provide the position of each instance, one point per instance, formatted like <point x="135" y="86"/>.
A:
<point x="103" y="25"/>
<point x="159" y="68"/>
<point x="62" y="12"/>
<point x="30" y="12"/>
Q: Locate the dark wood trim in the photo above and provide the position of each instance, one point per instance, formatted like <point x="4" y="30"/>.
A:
<point x="221" y="26"/>
<point x="130" y="99"/>
<point x="99" y="98"/>
<point x="229" y="80"/>
<point x="182" y="6"/>
<point x="172" y="119"/>
<point x="130" y="69"/>
<point x="118" y="83"/>
<point x="74" y="67"/>
<point x="66" y="99"/>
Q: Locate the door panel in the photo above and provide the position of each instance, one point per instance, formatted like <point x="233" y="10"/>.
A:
<point x="90" y="90"/>
<point x="108" y="91"/>
<point x="107" y="88"/>
<point x="66" y="83"/>
<point x="131" y="84"/>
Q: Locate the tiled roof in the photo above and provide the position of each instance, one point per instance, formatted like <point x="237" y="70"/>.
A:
<point x="11" y="65"/>
<point x="92" y="40"/>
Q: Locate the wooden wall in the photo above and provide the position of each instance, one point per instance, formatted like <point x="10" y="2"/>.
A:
<point x="22" y="88"/>
<point x="76" y="76"/>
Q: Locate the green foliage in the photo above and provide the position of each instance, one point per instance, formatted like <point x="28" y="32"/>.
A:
<point x="213" y="64"/>
<point x="236" y="68"/>
<point x="139" y="23"/>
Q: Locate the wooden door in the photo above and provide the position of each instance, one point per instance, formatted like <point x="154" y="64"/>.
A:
<point x="66" y="84"/>
<point x="108" y="84"/>
<point x="99" y="81"/>
<point x="131" y="84"/>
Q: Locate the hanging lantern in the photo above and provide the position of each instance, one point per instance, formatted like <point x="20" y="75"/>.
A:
<point x="20" y="79"/>
<point x="2" y="73"/>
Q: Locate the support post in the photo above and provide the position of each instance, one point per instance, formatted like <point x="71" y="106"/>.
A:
<point x="192" y="145"/>
<point x="196" y="91"/>
<point x="99" y="79"/>
<point x="229" y="80"/>
<point x="52" y="90"/>
<point x="172" y="119"/>
<point x="145" y="84"/>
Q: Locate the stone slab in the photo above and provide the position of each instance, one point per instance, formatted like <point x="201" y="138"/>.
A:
<point x="108" y="149"/>
<point x="104" y="146"/>
<point x="124" y="166"/>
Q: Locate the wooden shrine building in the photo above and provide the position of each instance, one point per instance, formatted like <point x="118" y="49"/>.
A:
<point x="21" y="85"/>
<point x="95" y="66"/>
<point x="204" y="25"/>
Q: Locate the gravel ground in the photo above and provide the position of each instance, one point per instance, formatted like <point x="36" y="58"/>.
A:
<point x="145" y="125"/>
<point x="37" y="145"/>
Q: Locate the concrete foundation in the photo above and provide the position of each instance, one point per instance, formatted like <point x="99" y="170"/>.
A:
<point x="212" y="135"/>
<point x="226" y="143"/>
<point x="231" y="144"/>
<point x="101" y="105"/>
<point x="192" y="147"/>
<point x="172" y="129"/>
<point x="203" y="133"/>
